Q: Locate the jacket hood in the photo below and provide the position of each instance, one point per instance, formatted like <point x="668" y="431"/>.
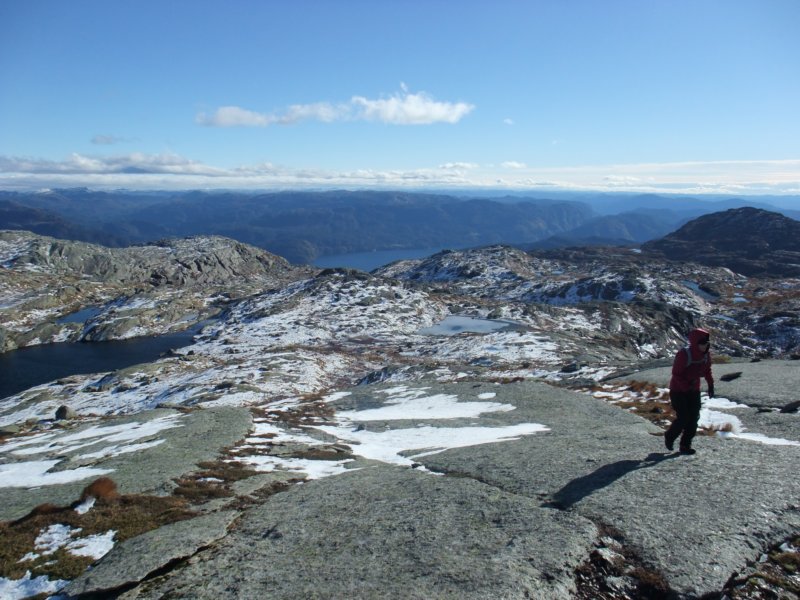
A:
<point x="697" y="335"/>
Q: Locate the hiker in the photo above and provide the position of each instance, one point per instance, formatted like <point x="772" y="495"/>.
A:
<point x="690" y="364"/>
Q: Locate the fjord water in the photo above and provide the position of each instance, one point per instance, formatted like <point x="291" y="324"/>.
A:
<point x="26" y="367"/>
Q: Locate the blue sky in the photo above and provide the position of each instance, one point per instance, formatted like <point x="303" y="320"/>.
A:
<point x="640" y="95"/>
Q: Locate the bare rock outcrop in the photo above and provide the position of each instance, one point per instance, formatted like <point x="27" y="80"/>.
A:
<point x="134" y="291"/>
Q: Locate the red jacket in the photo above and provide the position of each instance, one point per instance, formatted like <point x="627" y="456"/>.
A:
<point x="686" y="374"/>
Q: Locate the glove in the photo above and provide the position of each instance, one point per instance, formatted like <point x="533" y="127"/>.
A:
<point x="711" y="391"/>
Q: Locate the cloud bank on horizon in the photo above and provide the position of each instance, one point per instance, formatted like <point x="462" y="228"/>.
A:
<point x="173" y="172"/>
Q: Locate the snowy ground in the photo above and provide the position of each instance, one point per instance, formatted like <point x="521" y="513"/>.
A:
<point x="391" y="443"/>
<point x="717" y="414"/>
<point x="308" y="341"/>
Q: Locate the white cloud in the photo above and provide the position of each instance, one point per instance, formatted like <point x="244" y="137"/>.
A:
<point x="621" y="180"/>
<point x="459" y="166"/>
<point x="320" y="111"/>
<point x="410" y="109"/>
<point x="508" y="121"/>
<point x="403" y="108"/>
<point x="512" y="164"/>
<point x="233" y="116"/>
<point x="135" y="163"/>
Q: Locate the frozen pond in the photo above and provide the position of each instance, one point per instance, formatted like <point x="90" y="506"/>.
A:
<point x="455" y="324"/>
<point x="696" y="289"/>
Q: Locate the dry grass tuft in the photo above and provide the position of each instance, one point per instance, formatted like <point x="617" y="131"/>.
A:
<point x="655" y="412"/>
<point x="228" y="471"/>
<point x="605" y="576"/>
<point x="197" y="491"/>
<point x="642" y="398"/>
<point x="276" y="487"/>
<point x="790" y="561"/>
<point x="42" y="509"/>
<point x="713" y="429"/>
<point x="103" y="488"/>
<point x="323" y="453"/>
<point x="650" y="584"/>
<point x="213" y="481"/>
<point x="646" y="388"/>
<point x="504" y="380"/>
<point x="312" y="411"/>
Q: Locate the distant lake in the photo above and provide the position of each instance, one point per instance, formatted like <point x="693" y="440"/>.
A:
<point x="369" y="261"/>
<point x="34" y="365"/>
<point x="455" y="324"/>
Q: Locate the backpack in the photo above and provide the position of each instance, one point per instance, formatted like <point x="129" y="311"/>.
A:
<point x="690" y="362"/>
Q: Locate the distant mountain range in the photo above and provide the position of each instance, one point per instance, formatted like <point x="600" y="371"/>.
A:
<point x="302" y="226"/>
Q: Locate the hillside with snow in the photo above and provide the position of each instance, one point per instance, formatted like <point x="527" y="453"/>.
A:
<point x="480" y="423"/>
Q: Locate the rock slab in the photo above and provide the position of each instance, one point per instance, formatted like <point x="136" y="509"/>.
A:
<point x="390" y="532"/>
<point x="133" y="560"/>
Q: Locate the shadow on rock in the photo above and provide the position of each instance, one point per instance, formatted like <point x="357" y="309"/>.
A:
<point x="577" y="489"/>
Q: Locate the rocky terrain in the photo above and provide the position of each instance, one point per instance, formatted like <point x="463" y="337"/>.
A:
<point x="480" y="423"/>
<point x="135" y="291"/>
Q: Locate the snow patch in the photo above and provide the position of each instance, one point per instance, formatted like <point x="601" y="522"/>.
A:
<point x="391" y="446"/>
<point x="17" y="589"/>
<point x="35" y="474"/>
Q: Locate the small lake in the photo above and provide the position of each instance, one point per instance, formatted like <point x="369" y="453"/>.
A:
<point x="455" y="324"/>
<point x="369" y="261"/>
<point x="81" y="316"/>
<point x="26" y="367"/>
<point x="695" y="287"/>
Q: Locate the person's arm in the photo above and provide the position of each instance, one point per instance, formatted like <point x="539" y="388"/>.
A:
<point x="709" y="378"/>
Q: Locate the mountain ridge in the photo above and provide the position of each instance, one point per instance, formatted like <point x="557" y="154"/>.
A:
<point x="301" y="226"/>
<point x="748" y="240"/>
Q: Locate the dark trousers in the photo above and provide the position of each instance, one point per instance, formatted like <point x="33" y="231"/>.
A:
<point x="687" y="411"/>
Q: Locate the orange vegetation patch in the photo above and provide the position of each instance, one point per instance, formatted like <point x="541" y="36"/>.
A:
<point x="127" y="515"/>
<point x="643" y="398"/>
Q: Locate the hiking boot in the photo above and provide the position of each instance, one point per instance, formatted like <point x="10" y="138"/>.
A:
<point x="669" y="443"/>
<point x="688" y="451"/>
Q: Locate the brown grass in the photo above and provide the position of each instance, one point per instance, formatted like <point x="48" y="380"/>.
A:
<point x="228" y="471"/>
<point x="128" y="515"/>
<point x="650" y="584"/>
<point x="592" y="577"/>
<point x="504" y="380"/>
<point x="309" y="413"/>
<point x="652" y="410"/>
<point x="777" y="580"/>
<point x="790" y="561"/>
<point x="198" y="492"/>
<point x="195" y="489"/>
<point x="643" y="398"/>
<point x="323" y="453"/>
<point x="101" y="489"/>
<point x="713" y="429"/>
